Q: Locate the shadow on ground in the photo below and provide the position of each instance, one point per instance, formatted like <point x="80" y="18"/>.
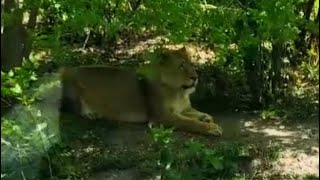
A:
<point x="298" y="143"/>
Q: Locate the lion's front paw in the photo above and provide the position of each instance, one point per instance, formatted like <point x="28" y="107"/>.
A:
<point x="206" y="118"/>
<point x="215" y="129"/>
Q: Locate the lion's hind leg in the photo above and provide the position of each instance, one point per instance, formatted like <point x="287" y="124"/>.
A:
<point x="86" y="111"/>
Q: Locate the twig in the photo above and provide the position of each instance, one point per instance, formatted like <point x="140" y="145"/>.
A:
<point x="49" y="165"/>
<point x="23" y="176"/>
<point x="20" y="160"/>
<point x="86" y="41"/>
<point x="6" y="102"/>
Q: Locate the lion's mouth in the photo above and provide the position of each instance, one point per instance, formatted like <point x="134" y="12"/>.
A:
<point x="193" y="83"/>
<point x="189" y="86"/>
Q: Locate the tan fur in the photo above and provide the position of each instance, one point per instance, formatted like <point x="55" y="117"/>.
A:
<point x="162" y="95"/>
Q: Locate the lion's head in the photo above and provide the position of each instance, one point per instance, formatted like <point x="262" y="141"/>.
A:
<point x="176" y="70"/>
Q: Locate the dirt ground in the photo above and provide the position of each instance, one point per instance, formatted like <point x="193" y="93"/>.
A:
<point x="298" y="144"/>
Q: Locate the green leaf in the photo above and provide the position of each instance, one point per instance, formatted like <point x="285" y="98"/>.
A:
<point x="216" y="163"/>
<point x="166" y="156"/>
<point x="10" y="73"/>
<point x="16" y="89"/>
<point x="33" y="77"/>
<point x="41" y="126"/>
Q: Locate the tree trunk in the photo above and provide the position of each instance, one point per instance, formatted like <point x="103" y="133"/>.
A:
<point x="252" y="66"/>
<point x="300" y="43"/>
<point x="28" y="36"/>
<point x="276" y="68"/>
<point x="12" y="38"/>
<point x="314" y="38"/>
<point x="16" y="41"/>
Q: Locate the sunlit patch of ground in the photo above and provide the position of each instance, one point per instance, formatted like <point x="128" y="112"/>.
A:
<point x="299" y="143"/>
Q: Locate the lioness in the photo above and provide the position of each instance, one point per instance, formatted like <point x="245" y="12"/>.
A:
<point x="159" y="94"/>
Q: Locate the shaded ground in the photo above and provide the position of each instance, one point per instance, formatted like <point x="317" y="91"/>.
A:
<point x="122" y="152"/>
<point x="298" y="144"/>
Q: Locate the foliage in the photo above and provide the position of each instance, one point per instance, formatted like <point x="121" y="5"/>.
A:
<point x="193" y="160"/>
<point x="247" y="26"/>
<point x="22" y="141"/>
<point x="25" y="131"/>
<point x="18" y="80"/>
